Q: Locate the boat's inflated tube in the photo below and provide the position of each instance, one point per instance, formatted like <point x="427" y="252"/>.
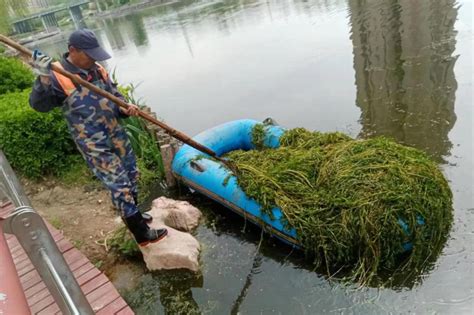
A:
<point x="211" y="178"/>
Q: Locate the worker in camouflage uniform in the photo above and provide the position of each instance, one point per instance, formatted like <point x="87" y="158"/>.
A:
<point x="93" y="124"/>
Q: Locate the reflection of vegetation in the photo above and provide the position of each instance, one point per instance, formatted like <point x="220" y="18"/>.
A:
<point x="221" y="221"/>
<point x="171" y="288"/>
<point x="138" y="27"/>
<point x="132" y="25"/>
<point x="114" y="33"/>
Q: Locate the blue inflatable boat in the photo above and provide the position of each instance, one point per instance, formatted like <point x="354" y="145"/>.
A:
<point x="212" y="179"/>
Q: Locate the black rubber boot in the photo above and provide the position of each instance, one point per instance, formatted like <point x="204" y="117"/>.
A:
<point x="148" y="218"/>
<point x="142" y="232"/>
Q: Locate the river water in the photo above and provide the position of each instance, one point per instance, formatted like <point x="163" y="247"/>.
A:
<point x="398" y="68"/>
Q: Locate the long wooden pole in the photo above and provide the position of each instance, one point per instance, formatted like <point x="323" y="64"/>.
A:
<point x="171" y="131"/>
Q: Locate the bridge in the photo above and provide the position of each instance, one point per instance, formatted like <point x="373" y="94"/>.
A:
<point x="48" y="18"/>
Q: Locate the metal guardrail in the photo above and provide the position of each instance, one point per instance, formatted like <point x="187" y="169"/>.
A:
<point x="34" y="237"/>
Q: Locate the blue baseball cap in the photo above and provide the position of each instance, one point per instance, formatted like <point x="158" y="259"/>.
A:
<point x="86" y="41"/>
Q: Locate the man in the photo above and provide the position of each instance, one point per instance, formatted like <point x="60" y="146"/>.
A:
<point x="93" y="124"/>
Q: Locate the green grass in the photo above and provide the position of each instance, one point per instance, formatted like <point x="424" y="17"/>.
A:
<point x="123" y="243"/>
<point x="56" y="223"/>
<point x="78" y="243"/>
<point x="98" y="263"/>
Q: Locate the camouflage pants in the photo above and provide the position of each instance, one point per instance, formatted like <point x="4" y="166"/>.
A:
<point x="109" y="155"/>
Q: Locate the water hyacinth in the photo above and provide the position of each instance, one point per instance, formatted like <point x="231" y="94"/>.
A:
<point x="357" y="205"/>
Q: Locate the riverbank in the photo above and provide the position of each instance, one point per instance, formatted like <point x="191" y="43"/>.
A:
<point x="84" y="213"/>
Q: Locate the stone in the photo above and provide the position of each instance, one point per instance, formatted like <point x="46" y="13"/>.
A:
<point x="178" y="249"/>
<point x="180" y="215"/>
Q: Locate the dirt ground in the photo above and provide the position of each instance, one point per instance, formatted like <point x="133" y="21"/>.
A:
<point x="85" y="215"/>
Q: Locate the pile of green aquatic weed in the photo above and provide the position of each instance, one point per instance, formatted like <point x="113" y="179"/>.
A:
<point x="354" y="204"/>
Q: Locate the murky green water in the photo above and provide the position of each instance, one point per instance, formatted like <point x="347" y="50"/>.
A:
<point x="399" y="68"/>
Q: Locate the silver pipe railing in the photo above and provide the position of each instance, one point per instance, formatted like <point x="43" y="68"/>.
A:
<point x="39" y="245"/>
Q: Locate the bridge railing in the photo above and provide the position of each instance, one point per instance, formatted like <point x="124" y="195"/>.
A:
<point x="39" y="245"/>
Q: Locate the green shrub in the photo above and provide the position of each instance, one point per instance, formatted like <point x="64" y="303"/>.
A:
<point x="34" y="143"/>
<point x="14" y="75"/>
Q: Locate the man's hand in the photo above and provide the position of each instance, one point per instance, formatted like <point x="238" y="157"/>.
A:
<point x="132" y="110"/>
<point x="41" y="63"/>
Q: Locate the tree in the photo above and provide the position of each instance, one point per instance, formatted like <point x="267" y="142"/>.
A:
<point x="9" y="9"/>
